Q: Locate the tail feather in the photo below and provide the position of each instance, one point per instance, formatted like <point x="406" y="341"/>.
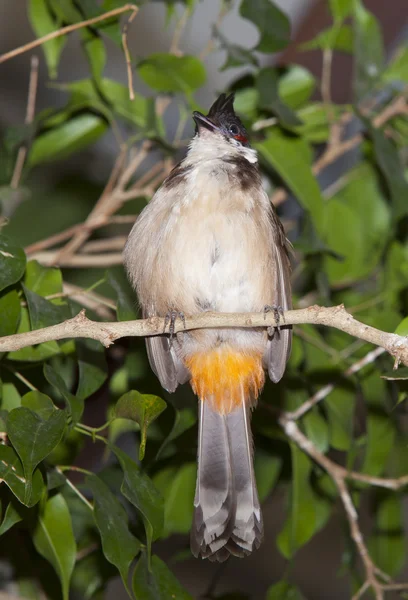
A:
<point x="227" y="516"/>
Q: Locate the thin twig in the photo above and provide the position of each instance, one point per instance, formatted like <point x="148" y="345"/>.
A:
<point x="180" y="25"/>
<point x="127" y="55"/>
<point x="74" y="27"/>
<point x="79" y="261"/>
<point x="30" y="112"/>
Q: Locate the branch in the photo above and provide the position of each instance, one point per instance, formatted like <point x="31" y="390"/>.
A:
<point x="69" y="28"/>
<point x="107" y="333"/>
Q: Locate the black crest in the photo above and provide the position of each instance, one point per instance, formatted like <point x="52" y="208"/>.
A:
<point x="222" y="118"/>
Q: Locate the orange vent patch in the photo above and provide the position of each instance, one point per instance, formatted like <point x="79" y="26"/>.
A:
<point x="224" y="377"/>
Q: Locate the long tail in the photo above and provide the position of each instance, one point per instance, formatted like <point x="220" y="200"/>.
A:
<point x="227" y="517"/>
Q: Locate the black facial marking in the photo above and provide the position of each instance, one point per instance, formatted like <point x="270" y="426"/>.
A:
<point x="177" y="175"/>
<point x="245" y="174"/>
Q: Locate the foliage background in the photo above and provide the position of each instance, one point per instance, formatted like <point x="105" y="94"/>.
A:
<point x="81" y="501"/>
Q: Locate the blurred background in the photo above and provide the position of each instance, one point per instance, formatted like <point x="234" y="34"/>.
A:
<point x="316" y="565"/>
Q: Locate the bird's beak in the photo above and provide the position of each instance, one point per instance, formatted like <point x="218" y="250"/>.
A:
<point x="204" y="122"/>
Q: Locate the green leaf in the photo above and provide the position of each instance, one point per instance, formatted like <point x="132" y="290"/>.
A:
<point x="33" y="438"/>
<point x="32" y="353"/>
<point x="402" y="328"/>
<point x="334" y="38"/>
<point x="93" y="370"/>
<point x="170" y="73"/>
<point x="39" y="403"/>
<point x="142" y="408"/>
<point x="396" y="375"/>
<point x="95" y="52"/>
<point x="387" y="546"/>
<point x="292" y="157"/>
<point x="380" y="440"/>
<point x="283" y="590"/>
<point x="158" y="583"/>
<point x="43" y="23"/>
<point x="368" y="51"/>
<point x="296" y="86"/>
<point x="340" y="9"/>
<point x="44" y="313"/>
<point x="9" y="397"/>
<point x="391" y="166"/>
<point x="397" y="69"/>
<point x="11" y="472"/>
<point x="359" y="206"/>
<point x="44" y="281"/>
<point x="12" y="262"/>
<point x="140" y="111"/>
<point x="74" y="404"/>
<point x="273" y="25"/>
<point x="317" y="429"/>
<point x="119" y="545"/>
<point x="126" y="308"/>
<point x="54" y="539"/>
<point x="13" y="514"/>
<point x="340" y="406"/>
<point x="138" y="488"/>
<point x="73" y="135"/>
<point x="10" y="312"/>
<point x="268" y="97"/>
<point x="178" y="492"/>
<point x="301" y="523"/>
<point x="267" y="469"/>
<point x="183" y="420"/>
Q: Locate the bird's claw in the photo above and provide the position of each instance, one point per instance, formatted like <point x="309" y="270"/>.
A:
<point x="170" y="321"/>
<point x="278" y="312"/>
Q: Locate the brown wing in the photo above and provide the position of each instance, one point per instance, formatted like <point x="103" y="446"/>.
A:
<point x="165" y="363"/>
<point x="278" y="347"/>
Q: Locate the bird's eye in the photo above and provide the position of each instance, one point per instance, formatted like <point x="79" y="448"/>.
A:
<point x="233" y="129"/>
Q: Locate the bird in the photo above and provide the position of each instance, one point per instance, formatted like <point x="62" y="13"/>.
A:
<point x="210" y="240"/>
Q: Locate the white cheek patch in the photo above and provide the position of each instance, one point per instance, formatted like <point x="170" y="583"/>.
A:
<point x="249" y="154"/>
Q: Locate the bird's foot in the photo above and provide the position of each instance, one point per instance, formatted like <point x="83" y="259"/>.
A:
<point x="170" y="322"/>
<point x="278" y="312"/>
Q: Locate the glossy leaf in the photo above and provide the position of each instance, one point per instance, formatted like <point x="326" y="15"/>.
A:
<point x="273" y="24"/>
<point x="93" y="369"/>
<point x="126" y="308"/>
<point x="33" y="353"/>
<point x="301" y="522"/>
<point x="138" y="488"/>
<point x="43" y="23"/>
<point x="75" y="404"/>
<point x="39" y="403"/>
<point x="397" y="69"/>
<point x="44" y="281"/>
<point x="12" y="515"/>
<point x="170" y="73"/>
<point x="11" y="472"/>
<point x="183" y="420"/>
<point x="368" y="50"/>
<point x="12" y="262"/>
<point x="33" y="438"/>
<point x="10" y="312"/>
<point x="158" y="583"/>
<point x="54" y="539"/>
<point x="291" y="157"/>
<point x="178" y="488"/>
<point x="142" y="408"/>
<point x="71" y="136"/>
<point x="119" y="545"/>
<point x="399" y="374"/>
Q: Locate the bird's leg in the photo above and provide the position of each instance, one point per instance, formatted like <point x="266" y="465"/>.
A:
<point x="278" y="312"/>
<point x="170" y="321"/>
